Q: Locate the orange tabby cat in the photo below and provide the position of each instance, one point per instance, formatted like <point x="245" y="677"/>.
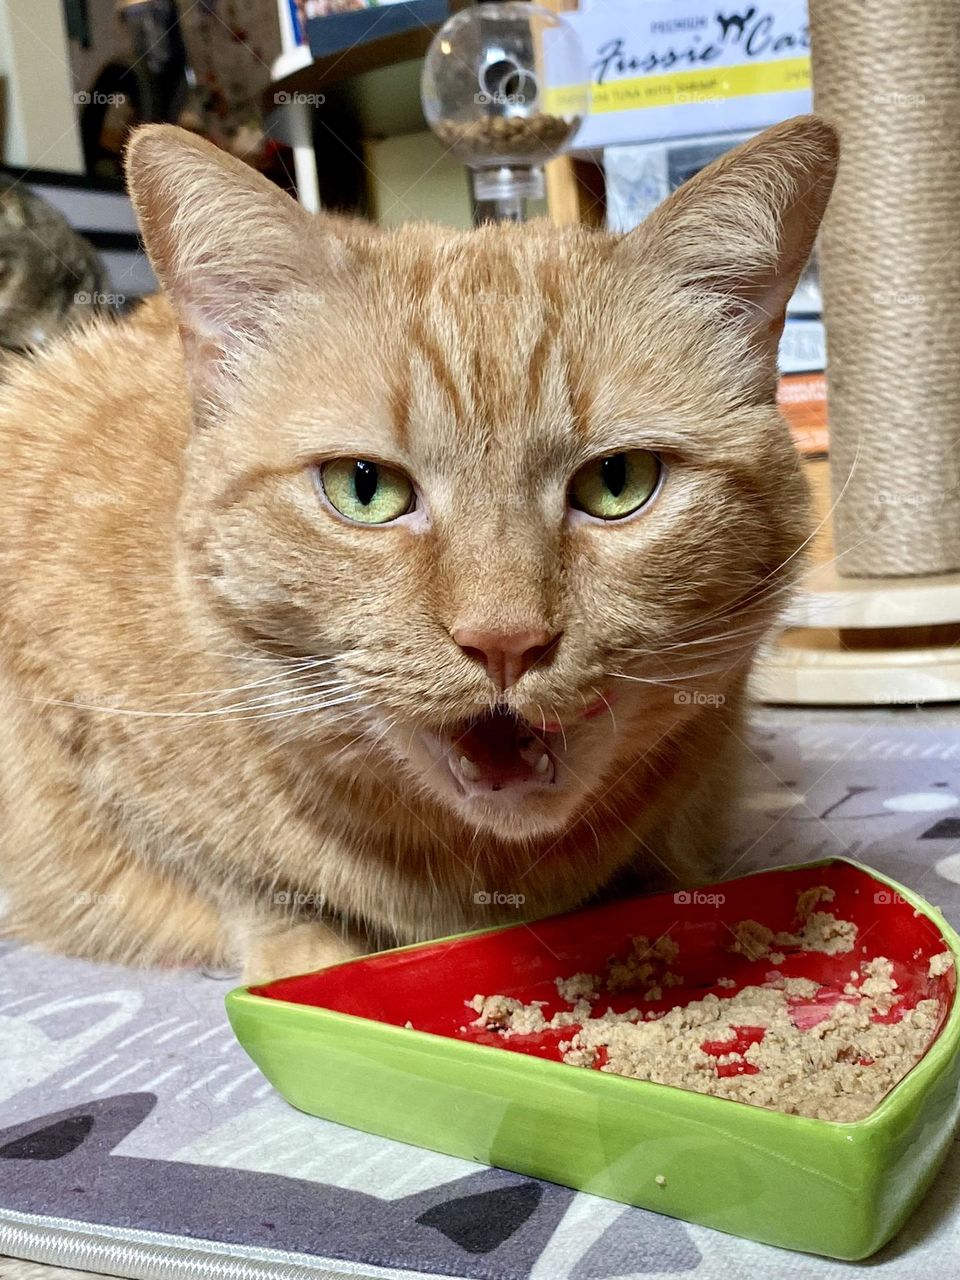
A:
<point x="387" y="579"/>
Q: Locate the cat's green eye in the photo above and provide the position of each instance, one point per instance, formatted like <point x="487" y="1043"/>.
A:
<point x="617" y="485"/>
<point x="367" y="492"/>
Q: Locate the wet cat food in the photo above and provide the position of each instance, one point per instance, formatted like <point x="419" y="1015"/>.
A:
<point x="787" y="1043"/>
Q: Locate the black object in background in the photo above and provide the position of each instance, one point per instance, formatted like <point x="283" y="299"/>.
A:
<point x="78" y="21"/>
<point x="336" y="31"/>
<point x="160" y="56"/>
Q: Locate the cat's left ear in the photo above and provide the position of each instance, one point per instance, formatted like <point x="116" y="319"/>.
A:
<point x="739" y="233"/>
<point x="229" y="248"/>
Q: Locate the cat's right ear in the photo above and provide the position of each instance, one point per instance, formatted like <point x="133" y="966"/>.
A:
<point x="228" y="247"/>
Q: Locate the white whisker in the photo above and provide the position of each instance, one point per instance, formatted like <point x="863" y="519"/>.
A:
<point x="276" y="697"/>
<point x="319" y="705"/>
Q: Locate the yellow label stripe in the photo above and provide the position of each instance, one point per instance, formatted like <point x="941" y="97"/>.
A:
<point x="683" y="88"/>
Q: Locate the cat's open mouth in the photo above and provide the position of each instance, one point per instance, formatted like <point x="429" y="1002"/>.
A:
<point x="498" y="751"/>
<point x="501" y="751"/>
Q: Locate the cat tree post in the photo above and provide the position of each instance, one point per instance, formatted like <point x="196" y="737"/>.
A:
<point x="888" y="75"/>
<point x="879" y="625"/>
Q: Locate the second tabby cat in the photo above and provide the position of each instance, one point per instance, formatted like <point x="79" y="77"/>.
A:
<point x="51" y="278"/>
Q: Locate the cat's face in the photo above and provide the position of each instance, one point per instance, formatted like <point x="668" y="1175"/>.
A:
<point x="526" y="493"/>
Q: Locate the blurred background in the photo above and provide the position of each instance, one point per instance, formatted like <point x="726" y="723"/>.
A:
<point x="589" y="113"/>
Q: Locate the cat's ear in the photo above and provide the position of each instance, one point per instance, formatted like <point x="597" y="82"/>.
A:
<point x="228" y="247"/>
<point x="740" y="231"/>
<point x="12" y="209"/>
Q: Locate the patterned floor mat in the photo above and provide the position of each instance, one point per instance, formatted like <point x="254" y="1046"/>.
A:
<point x="131" y="1121"/>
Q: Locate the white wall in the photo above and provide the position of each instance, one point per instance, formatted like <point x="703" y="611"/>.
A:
<point x="38" y="111"/>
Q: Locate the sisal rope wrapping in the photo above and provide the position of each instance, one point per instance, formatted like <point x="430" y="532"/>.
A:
<point x="887" y="75"/>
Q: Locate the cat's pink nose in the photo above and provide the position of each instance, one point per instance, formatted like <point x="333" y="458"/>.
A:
<point x="506" y="655"/>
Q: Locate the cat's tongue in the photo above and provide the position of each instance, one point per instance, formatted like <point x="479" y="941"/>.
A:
<point x="498" y="750"/>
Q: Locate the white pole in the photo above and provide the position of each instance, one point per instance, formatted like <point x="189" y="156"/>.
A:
<point x="40" y="110"/>
<point x="299" y="115"/>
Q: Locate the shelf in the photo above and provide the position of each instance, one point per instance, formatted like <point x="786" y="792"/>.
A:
<point x="799" y="670"/>
<point x="826" y="599"/>
<point x="344" y="45"/>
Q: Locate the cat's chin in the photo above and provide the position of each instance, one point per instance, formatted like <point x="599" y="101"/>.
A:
<point x="500" y="773"/>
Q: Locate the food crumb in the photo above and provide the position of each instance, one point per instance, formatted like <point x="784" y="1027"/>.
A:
<point x="821" y="932"/>
<point x="581" y="985"/>
<point x="504" y="1013"/>
<point x="644" y="966"/>
<point x="940" y="964"/>
<point x="752" y="939"/>
<point x="809" y="898"/>
<point x="802" y="988"/>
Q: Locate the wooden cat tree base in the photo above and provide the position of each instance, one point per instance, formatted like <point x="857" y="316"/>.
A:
<point x="865" y="642"/>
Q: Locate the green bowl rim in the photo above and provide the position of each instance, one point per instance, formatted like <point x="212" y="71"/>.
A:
<point x="910" y="1088"/>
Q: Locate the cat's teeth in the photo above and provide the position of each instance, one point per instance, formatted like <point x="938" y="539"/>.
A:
<point x="470" y="770"/>
<point x="543" y="764"/>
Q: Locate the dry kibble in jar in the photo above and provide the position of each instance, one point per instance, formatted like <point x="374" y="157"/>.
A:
<point x="506" y="135"/>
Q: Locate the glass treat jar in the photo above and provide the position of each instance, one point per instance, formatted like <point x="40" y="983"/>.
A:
<point x="505" y="88"/>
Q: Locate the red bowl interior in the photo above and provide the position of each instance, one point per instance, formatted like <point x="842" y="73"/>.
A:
<point x="429" y="985"/>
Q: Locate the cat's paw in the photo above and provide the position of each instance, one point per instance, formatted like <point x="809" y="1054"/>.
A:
<point x="278" y="951"/>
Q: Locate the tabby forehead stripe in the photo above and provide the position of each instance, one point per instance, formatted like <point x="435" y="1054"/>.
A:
<point x="400" y="406"/>
<point x="431" y="349"/>
<point x="550" y="284"/>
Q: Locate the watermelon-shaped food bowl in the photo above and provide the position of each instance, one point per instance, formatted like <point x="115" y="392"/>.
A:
<point x="389" y="1044"/>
